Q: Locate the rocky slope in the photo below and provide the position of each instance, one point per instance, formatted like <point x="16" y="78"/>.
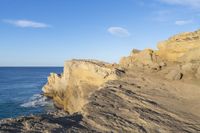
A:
<point x="148" y="91"/>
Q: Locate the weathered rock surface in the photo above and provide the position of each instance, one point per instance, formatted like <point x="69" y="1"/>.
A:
<point x="178" y="46"/>
<point x="143" y="59"/>
<point x="180" y="50"/>
<point x="174" y="75"/>
<point x="198" y="73"/>
<point x="79" y="79"/>
<point x="150" y="91"/>
<point x="136" y="103"/>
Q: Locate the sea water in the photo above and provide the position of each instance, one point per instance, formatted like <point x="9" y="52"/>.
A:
<point x="21" y="89"/>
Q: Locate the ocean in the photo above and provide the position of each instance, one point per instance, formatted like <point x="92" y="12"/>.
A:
<point x="21" y="89"/>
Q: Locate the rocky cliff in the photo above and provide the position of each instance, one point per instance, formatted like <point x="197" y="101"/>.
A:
<point x="179" y="45"/>
<point x="178" y="57"/>
<point x="80" y="78"/>
<point x="148" y="91"/>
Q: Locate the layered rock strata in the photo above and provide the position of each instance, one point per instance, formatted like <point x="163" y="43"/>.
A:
<point x="80" y="78"/>
<point x="138" y="103"/>
<point x="179" y="57"/>
<point x="148" y="91"/>
<point x="179" y="45"/>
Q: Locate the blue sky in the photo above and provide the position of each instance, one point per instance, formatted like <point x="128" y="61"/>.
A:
<point x="48" y="32"/>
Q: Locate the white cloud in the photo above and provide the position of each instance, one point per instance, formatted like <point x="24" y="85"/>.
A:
<point x="183" y="22"/>
<point x="119" y="31"/>
<point x="26" y="23"/>
<point x="191" y="3"/>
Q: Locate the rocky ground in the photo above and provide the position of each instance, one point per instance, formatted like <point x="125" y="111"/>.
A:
<point x="136" y="103"/>
<point x="147" y="92"/>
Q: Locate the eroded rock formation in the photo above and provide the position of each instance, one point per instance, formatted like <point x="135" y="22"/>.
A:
<point x="148" y="91"/>
<point x="138" y="103"/>
<point x="80" y="78"/>
<point x="147" y="58"/>
<point x="179" y="45"/>
<point x="180" y="53"/>
<point x="176" y="59"/>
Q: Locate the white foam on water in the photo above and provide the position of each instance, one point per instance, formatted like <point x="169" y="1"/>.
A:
<point x="37" y="100"/>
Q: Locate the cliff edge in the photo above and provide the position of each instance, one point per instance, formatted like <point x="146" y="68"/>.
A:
<point x="80" y="78"/>
<point x="150" y="91"/>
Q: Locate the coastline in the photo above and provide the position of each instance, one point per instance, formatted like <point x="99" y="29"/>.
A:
<point x="148" y="91"/>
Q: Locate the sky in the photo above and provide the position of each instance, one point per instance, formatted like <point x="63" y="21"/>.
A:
<point x="49" y="32"/>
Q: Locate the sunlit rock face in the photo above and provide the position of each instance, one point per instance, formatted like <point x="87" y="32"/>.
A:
<point x="184" y="49"/>
<point x="176" y="58"/>
<point x="144" y="59"/>
<point x="150" y="91"/>
<point x="180" y="46"/>
<point x="80" y="78"/>
<point x="180" y="55"/>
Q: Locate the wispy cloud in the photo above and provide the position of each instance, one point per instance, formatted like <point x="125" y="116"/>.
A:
<point x="119" y="31"/>
<point x="191" y="3"/>
<point x="183" y="22"/>
<point x="26" y="23"/>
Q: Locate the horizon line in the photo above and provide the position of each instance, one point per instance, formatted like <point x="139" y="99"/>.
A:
<point x="31" y="66"/>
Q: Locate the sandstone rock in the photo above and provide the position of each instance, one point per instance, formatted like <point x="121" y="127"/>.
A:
<point x="79" y="79"/>
<point x="174" y="75"/>
<point x="177" y="46"/>
<point x="190" y="67"/>
<point x="128" y="105"/>
<point x="187" y="68"/>
<point x="193" y="55"/>
<point x="162" y="64"/>
<point x="198" y="73"/>
<point x="110" y="100"/>
<point x="144" y="59"/>
<point x="134" y="51"/>
<point x="191" y="70"/>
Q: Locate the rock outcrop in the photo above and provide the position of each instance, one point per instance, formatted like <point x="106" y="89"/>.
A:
<point x="179" y="46"/>
<point x="174" y="75"/>
<point x="137" y="102"/>
<point x="150" y="91"/>
<point x="80" y="78"/>
<point x="143" y="59"/>
<point x="176" y="59"/>
<point x="181" y="53"/>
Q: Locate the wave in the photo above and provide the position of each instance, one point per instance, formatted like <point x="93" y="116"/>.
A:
<point x="37" y="100"/>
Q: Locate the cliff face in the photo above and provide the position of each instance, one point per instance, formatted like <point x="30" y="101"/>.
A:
<point x="143" y="59"/>
<point x="80" y="78"/>
<point x="137" y="102"/>
<point x="176" y="58"/>
<point x="111" y="100"/>
<point x="150" y="91"/>
<point x="179" y="45"/>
